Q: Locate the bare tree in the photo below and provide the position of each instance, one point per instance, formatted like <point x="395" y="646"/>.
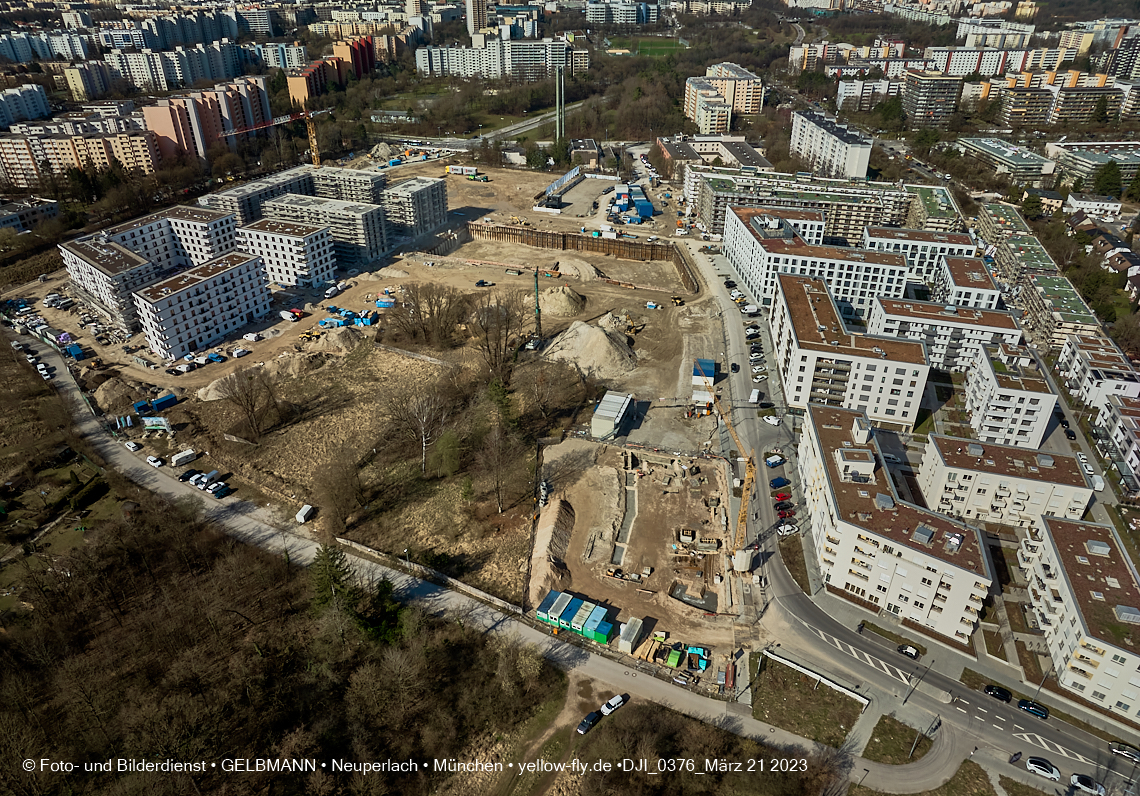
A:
<point x="339" y="490"/>
<point x="500" y="453"/>
<point x="250" y="391"/>
<point x="422" y="416"/>
<point x="429" y="313"/>
<point x="498" y="321"/>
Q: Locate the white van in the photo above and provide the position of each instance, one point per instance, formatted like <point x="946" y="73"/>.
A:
<point x="754" y="398"/>
<point x="305" y="513"/>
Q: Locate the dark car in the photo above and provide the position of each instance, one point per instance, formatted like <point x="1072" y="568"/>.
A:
<point x="767" y="405"/>
<point x="997" y="692"/>
<point x="783" y="505"/>
<point x="734" y="367"/>
<point x="751" y="336"/>
<point x="729" y="284"/>
<point x="776" y="483"/>
<point x="1031" y="707"/>
<point x="1064" y="423"/>
<point x="589" y="722"/>
<point x="186" y="476"/>
<point x="1070" y="434"/>
<point x="783" y="515"/>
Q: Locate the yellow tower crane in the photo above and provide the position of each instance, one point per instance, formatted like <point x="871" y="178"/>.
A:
<point x="749" y="470"/>
<point x="310" y="127"/>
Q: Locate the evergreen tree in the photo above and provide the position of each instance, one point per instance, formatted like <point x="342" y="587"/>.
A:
<point x="332" y="579"/>
<point x="1031" y="206"/>
<point x="1100" y="112"/>
<point x="1107" y="180"/>
<point x="1133" y="191"/>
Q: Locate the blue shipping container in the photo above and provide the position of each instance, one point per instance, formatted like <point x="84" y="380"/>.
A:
<point x="164" y="402"/>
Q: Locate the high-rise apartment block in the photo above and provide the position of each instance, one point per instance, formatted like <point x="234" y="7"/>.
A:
<point x="949" y="333"/>
<point x="193" y="123"/>
<point x="725" y="89"/>
<point x="329" y="182"/>
<point x="293" y="254"/>
<point x="23" y="157"/>
<point x="358" y="230"/>
<point x="829" y="148"/>
<point x="476" y="16"/>
<point x="203" y="305"/>
<point x="965" y="282"/>
<point x="1007" y="399"/>
<point x="922" y="249"/>
<point x="416" y="206"/>
<point x="929" y="98"/>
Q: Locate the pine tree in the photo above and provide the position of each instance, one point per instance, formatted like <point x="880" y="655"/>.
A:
<point x="1031" y="206"/>
<point x="1133" y="191"/>
<point x="1107" y="180"/>
<point x="332" y="579"/>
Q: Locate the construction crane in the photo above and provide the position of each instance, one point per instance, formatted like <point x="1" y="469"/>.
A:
<point x="310" y="126"/>
<point x="749" y="469"/>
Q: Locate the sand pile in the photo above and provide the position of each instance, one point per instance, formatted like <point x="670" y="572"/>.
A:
<point x="381" y="152"/>
<point x="390" y="272"/>
<point x="339" y="341"/>
<point x="561" y="301"/>
<point x="212" y="391"/>
<point x="293" y="365"/>
<point x="572" y="266"/>
<point x="116" y="394"/>
<point x="596" y="352"/>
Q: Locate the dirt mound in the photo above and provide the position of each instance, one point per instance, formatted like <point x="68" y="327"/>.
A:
<point x="381" y="152"/>
<point x="339" y="341"/>
<point x="613" y="323"/>
<point x="117" y="394"/>
<point x="561" y="300"/>
<point x="293" y="365"/>
<point x="597" y="352"/>
<point x="551" y="541"/>
<point x="572" y="266"/>
<point x="391" y="272"/>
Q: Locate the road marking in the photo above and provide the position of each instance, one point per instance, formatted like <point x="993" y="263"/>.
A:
<point x="1018" y="727"/>
<point x="1000" y="718"/>
<point x="982" y="710"/>
<point x="863" y="657"/>
<point x="961" y="709"/>
<point x="1052" y="746"/>
<point x="999" y="726"/>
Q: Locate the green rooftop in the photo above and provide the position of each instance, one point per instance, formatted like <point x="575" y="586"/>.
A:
<point x="1062" y="298"/>
<point x="1006" y="217"/>
<point x="936" y="200"/>
<point x="1028" y="252"/>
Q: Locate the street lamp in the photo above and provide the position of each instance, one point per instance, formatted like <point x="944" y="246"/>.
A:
<point x="406" y="559"/>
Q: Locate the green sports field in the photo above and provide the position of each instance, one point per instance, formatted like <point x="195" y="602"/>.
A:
<point x="652" y="46"/>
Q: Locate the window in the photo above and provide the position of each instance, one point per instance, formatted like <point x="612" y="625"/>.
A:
<point x="1123" y="705"/>
<point x="1097" y="695"/>
<point x="1118" y="659"/>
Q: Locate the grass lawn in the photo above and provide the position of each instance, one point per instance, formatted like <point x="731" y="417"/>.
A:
<point x="891" y="741"/>
<point x="792" y="551"/>
<point x="970" y="780"/>
<point x="1016" y="618"/>
<point x="1014" y="788"/>
<point x="994" y="645"/>
<point x="652" y="46"/>
<point x="793" y="701"/>
<point x="552" y="750"/>
<point x="895" y="637"/>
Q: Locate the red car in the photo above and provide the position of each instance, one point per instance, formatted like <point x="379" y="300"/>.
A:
<point x="783" y="496"/>
<point x="783" y="515"/>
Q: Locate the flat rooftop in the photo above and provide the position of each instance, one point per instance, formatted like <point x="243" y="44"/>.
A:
<point x="1099" y="352"/>
<point x="843" y="132"/>
<point x="969" y="272"/>
<point x="1005" y="152"/>
<point x="265" y="183"/>
<point x="1012" y="375"/>
<point x="817" y="324"/>
<point x="746" y="154"/>
<point x="952" y="542"/>
<point x="194" y="276"/>
<point x="1063" y="299"/>
<point x="200" y="215"/>
<point x="679" y="150"/>
<point x="989" y="457"/>
<point x="321" y="204"/>
<point x="936" y="200"/>
<point x="1097" y="572"/>
<point x="786" y="213"/>
<point x="110" y="258"/>
<point x="1027" y="252"/>
<point x="921" y="236"/>
<point x="413" y="185"/>
<point x="1006" y="217"/>
<point x="277" y="227"/>
<point x="797" y="248"/>
<point x="937" y="313"/>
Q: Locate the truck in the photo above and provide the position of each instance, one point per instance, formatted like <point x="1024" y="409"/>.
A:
<point x="466" y="171"/>
<point x="749" y="310"/>
<point x="774" y="461"/>
<point x="1097" y="483"/>
<point x="185" y="457"/>
<point x="288" y="316"/>
<point x="754" y="398"/>
<point x="330" y="293"/>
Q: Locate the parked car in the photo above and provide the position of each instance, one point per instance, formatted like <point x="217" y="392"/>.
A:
<point x="776" y="483"/>
<point x="154" y="461"/>
<point x="786" y="530"/>
<point x="132" y="446"/>
<point x="484" y="283"/>
<point x="783" y="496"/>
<point x="997" y="692"/>
<point x="238" y="353"/>
<point x="1125" y="751"/>
<point x="1083" y="783"/>
<point x="1082" y="458"/>
<point x="588" y="722"/>
<point x="909" y="651"/>
<point x="1070" y="434"/>
<point x="186" y="476"/>
<point x="31" y="359"/>
<point x="1064" y="423"/>
<point x="772" y="420"/>
<point x="216" y="487"/>
<point x="221" y="493"/>
<point x="1042" y="768"/>
<point x="613" y="704"/>
<point x="734" y="367"/>
<point x="1031" y="707"/>
<point x="1088" y="469"/>
<point x="729" y="283"/>
<point x="783" y="515"/>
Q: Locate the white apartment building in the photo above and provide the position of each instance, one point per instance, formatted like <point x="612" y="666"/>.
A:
<point x="23" y="102"/>
<point x="416" y="206"/>
<point x="923" y="249"/>
<point x="493" y="59"/>
<point x="1085" y="593"/>
<point x="329" y="182"/>
<point x="725" y="88"/>
<point x="358" y="230"/>
<point x="926" y="569"/>
<point x="822" y="363"/>
<point x="203" y="305"/>
<point x="107" y="267"/>
<point x="1001" y="483"/>
<point x="1092" y="204"/>
<point x="277" y="55"/>
<point x="293" y="254"/>
<point x="760" y="248"/>
<point x="949" y="333"/>
<point x="1092" y="368"/>
<point x="1119" y="418"/>
<point x="1006" y="397"/>
<point x="829" y="148"/>
<point x="965" y="282"/>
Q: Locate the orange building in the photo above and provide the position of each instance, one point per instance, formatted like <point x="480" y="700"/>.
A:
<point x="359" y="53"/>
<point x="314" y="79"/>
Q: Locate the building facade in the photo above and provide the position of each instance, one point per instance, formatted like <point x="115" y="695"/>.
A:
<point x="1092" y="368"/>
<point x="929" y="98"/>
<point x="1054" y="310"/>
<point x="358" y="230"/>
<point x="821" y="363"/>
<point x="922" y="249"/>
<point x="833" y="149"/>
<point x="1007" y="399"/>
<point x="299" y="255"/>
<point x="965" y="282"/>
<point x="949" y="333"/>
<point x="416" y="206"/>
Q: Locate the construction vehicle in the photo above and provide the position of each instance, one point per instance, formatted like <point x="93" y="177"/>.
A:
<point x="749" y="469"/>
<point x="677" y="301"/>
<point x="310" y="126"/>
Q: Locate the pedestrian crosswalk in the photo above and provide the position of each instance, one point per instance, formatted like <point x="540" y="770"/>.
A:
<point x="1052" y="746"/>
<point x="870" y="660"/>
